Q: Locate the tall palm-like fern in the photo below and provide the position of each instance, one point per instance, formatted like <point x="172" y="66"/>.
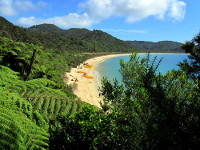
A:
<point x="19" y="132"/>
<point x="26" y="107"/>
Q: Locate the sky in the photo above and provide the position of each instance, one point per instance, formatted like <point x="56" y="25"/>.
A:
<point x="140" y="20"/>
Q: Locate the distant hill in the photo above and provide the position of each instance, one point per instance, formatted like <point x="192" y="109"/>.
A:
<point x="73" y="32"/>
<point x="45" y="28"/>
<point x="162" y="46"/>
<point x="76" y="32"/>
<point x="103" y="41"/>
<point x="77" y="39"/>
<point x="81" y="39"/>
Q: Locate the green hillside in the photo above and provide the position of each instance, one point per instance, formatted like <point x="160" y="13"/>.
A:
<point x="162" y="46"/>
<point x="13" y="32"/>
<point x="76" y="32"/>
<point x="45" y="28"/>
<point x="28" y="107"/>
<point x="77" y="39"/>
<point x="80" y="40"/>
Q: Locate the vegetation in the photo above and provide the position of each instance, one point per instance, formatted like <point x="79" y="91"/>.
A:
<point x="27" y="107"/>
<point x="166" y="105"/>
<point x="192" y="68"/>
<point x="150" y="111"/>
<point x="80" y="40"/>
<point x="13" y="32"/>
<point x="156" y="47"/>
<point x="77" y="39"/>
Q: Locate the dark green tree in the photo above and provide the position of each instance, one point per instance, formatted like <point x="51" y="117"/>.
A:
<point x="151" y="111"/>
<point x="192" y="67"/>
<point x="166" y="105"/>
<point x="93" y="129"/>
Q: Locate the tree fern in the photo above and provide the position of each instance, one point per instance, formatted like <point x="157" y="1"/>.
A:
<point x="73" y="109"/>
<point x="38" y="104"/>
<point x="39" y="119"/>
<point x="35" y="91"/>
<point x="46" y="104"/>
<point x="68" y="107"/>
<point x="63" y="106"/>
<point x="51" y="107"/>
<point x="57" y="107"/>
<point x="15" y="128"/>
<point x="26" y="108"/>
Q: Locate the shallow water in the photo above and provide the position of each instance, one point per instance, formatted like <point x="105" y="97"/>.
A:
<point x="110" y="68"/>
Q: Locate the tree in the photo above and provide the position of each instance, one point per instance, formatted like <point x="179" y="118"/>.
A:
<point x="166" y="105"/>
<point x="192" y="68"/>
<point x="93" y="129"/>
<point x="151" y="111"/>
<point x="31" y="64"/>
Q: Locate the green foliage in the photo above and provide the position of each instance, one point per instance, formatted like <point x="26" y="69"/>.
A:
<point x="92" y="41"/>
<point x="150" y="111"/>
<point x="13" y="32"/>
<point x="76" y="39"/>
<point x="37" y="93"/>
<point x="26" y="109"/>
<point x="192" y="68"/>
<point x="52" y="37"/>
<point x="19" y="132"/>
<point x="92" y="129"/>
<point x="80" y="40"/>
<point x="49" y="64"/>
<point x="167" y="106"/>
<point x="14" y="54"/>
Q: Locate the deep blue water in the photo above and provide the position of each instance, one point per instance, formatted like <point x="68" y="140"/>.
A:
<point x="110" y="67"/>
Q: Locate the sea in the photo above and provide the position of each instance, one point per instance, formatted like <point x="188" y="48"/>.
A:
<point x="110" y="67"/>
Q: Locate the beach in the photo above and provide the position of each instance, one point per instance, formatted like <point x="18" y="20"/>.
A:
<point x="86" y="88"/>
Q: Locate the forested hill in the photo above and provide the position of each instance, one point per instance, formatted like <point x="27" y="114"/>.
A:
<point x="77" y="39"/>
<point x="45" y="28"/>
<point x="73" y="32"/>
<point x="162" y="46"/>
<point x="80" y="40"/>
<point x="13" y="32"/>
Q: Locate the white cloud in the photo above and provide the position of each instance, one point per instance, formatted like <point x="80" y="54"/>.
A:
<point x="94" y="11"/>
<point x="71" y="20"/>
<point x="134" y="10"/>
<point x="7" y="8"/>
<point x="177" y="10"/>
<point x="29" y="21"/>
<point x="24" y="5"/>
<point x="14" y="7"/>
<point x="98" y="9"/>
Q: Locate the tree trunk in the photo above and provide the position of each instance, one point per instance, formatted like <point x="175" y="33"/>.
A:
<point x="31" y="64"/>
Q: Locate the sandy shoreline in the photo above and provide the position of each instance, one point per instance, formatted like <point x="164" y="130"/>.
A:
<point x="87" y="89"/>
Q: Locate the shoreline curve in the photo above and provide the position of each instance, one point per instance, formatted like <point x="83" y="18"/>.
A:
<point x="86" y="88"/>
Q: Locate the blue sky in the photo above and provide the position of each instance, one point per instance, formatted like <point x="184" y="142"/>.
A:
<point x="141" y="20"/>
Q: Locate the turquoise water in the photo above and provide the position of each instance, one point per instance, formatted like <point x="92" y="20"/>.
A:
<point x="110" y="67"/>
